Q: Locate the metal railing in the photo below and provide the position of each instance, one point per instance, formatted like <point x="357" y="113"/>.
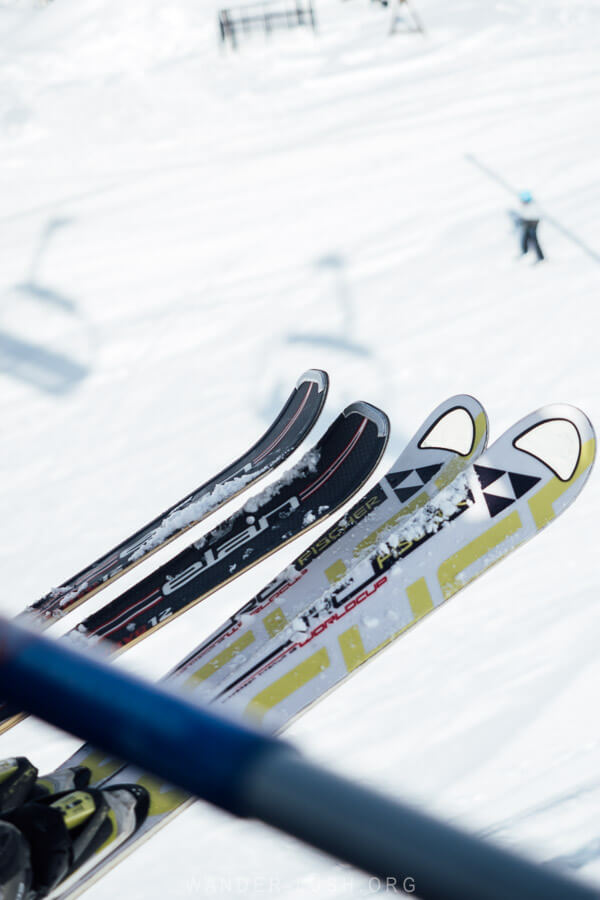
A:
<point x="266" y="17"/>
<point x="255" y="775"/>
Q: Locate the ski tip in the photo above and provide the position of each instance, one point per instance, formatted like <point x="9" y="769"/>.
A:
<point x="458" y="425"/>
<point x="464" y="401"/>
<point x="373" y="413"/>
<point x="318" y="376"/>
<point x="561" y="437"/>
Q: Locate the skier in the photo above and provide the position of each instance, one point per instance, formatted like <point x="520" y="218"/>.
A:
<point x="528" y="220"/>
<point x="47" y="833"/>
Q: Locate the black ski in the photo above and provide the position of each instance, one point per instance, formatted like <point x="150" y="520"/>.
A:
<point x="287" y="432"/>
<point x="324" y="479"/>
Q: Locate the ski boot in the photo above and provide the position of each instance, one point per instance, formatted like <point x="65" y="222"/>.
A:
<point x="19" y="782"/>
<point x="47" y="840"/>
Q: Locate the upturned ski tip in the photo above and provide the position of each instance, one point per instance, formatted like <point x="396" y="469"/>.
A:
<point x="373" y="413"/>
<point x="458" y="425"/>
<point x="320" y="377"/>
<point x="561" y="437"/>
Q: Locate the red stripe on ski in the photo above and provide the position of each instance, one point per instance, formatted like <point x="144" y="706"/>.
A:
<point x="124" y="612"/>
<point x="287" y="427"/>
<point x="334" y="465"/>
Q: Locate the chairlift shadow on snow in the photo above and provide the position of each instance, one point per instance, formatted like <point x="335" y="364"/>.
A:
<point x="333" y="267"/>
<point x="33" y="284"/>
<point x="334" y="345"/>
<point x="47" y="369"/>
<point x="331" y="341"/>
<point x="46" y="295"/>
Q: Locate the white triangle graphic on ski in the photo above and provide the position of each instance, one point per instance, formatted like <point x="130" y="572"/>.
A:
<point x="501" y="488"/>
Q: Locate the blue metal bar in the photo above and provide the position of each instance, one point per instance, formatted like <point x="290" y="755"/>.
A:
<point x="252" y="774"/>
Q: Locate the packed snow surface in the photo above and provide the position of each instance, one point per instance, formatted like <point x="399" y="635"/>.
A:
<point x="184" y="231"/>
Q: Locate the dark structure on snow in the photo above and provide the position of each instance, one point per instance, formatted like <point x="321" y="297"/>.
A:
<point x="265" y="17"/>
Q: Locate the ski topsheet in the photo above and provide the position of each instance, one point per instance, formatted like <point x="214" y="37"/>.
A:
<point x="324" y="479"/>
<point x="287" y="432"/>
<point x="525" y="479"/>
<point x="450" y="438"/>
<point x="517" y="487"/>
<point x="453" y="436"/>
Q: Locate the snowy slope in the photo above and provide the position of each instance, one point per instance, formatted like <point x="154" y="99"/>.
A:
<point x="182" y="232"/>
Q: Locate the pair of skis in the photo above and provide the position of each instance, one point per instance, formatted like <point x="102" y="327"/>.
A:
<point x="324" y="479"/>
<point x="445" y="513"/>
<point x="294" y="422"/>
